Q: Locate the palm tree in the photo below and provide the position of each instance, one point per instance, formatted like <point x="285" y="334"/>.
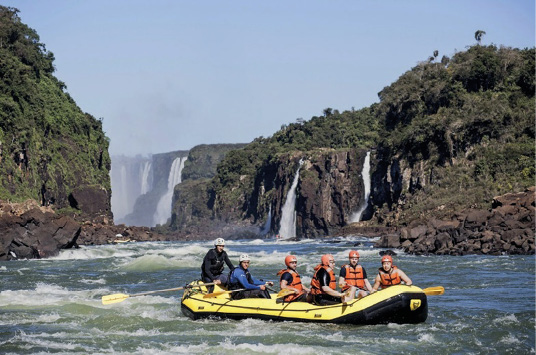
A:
<point x="478" y="35"/>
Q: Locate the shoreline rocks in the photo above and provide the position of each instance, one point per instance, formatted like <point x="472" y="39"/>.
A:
<point x="506" y="228"/>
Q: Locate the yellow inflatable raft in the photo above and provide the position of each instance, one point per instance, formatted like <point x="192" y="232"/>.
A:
<point x="397" y="304"/>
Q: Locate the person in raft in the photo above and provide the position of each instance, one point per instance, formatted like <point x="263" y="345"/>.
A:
<point x="240" y="278"/>
<point x="324" y="284"/>
<point x="290" y="280"/>
<point x="389" y="275"/>
<point x="213" y="265"/>
<point x="353" y="274"/>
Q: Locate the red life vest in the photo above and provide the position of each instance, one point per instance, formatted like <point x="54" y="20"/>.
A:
<point x="315" y="282"/>
<point x="354" y="277"/>
<point x="389" y="278"/>
<point x="295" y="283"/>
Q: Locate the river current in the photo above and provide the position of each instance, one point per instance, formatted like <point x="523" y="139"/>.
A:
<point x="54" y="305"/>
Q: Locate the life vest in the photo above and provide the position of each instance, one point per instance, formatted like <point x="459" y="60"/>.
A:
<point x="295" y="283"/>
<point x="315" y="282"/>
<point x="389" y="279"/>
<point x="216" y="262"/>
<point x="354" y="277"/>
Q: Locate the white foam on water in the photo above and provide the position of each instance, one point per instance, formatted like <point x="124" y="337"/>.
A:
<point x="93" y="282"/>
<point x="151" y="263"/>
<point x="509" y="319"/>
<point x="229" y="344"/>
<point x="427" y="338"/>
<point x="3" y="268"/>
<point x="510" y="340"/>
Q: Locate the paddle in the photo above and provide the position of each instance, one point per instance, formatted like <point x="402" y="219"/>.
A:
<point x="213" y="294"/>
<point x="120" y="297"/>
<point x="434" y="291"/>
<point x="285" y="292"/>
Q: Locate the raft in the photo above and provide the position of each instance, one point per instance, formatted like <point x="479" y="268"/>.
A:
<point x="397" y="304"/>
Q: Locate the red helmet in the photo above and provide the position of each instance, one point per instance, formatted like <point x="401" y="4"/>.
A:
<point x="387" y="258"/>
<point x="290" y="258"/>
<point x="353" y="254"/>
<point x="326" y="258"/>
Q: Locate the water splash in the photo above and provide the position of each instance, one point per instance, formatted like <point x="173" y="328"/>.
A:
<point x="287" y="228"/>
<point x="163" y="209"/>
<point x="365" y="173"/>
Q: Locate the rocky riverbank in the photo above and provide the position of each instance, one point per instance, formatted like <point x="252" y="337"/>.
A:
<point x="506" y="228"/>
<point x="30" y="231"/>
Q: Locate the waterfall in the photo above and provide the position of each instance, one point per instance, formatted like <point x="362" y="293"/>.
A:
<point x="266" y="229"/>
<point x="163" y="209"/>
<point x="287" y="229"/>
<point x="145" y="169"/>
<point x="365" y="173"/>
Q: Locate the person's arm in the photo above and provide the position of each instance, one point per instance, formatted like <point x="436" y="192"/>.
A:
<point x="325" y="279"/>
<point x="376" y="284"/>
<point x="227" y="261"/>
<point x="241" y="277"/>
<point x="404" y="277"/>
<point x="367" y="283"/>
<point x="342" y="277"/>
<point x="285" y="279"/>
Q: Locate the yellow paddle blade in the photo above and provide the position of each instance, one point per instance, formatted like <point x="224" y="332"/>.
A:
<point x="434" y="291"/>
<point x="115" y="298"/>
<point x="285" y="292"/>
<point x="214" y="294"/>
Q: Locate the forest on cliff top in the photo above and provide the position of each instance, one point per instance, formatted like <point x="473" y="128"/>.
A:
<point x="48" y="146"/>
<point x="467" y="120"/>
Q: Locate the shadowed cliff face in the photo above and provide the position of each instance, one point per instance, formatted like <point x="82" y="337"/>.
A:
<point x="330" y="188"/>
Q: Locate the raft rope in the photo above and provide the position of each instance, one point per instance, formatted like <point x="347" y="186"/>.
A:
<point x="276" y="310"/>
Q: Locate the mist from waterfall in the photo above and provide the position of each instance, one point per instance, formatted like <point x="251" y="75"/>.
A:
<point x="163" y="209"/>
<point x="287" y="229"/>
<point x="130" y="178"/>
<point x="365" y="173"/>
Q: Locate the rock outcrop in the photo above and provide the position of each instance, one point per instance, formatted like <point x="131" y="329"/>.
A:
<point x="30" y="231"/>
<point x="506" y="228"/>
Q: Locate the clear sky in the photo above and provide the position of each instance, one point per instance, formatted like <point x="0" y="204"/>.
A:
<point x="167" y="75"/>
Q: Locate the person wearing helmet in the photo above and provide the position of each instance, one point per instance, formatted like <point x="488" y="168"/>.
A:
<point x="213" y="265"/>
<point x="389" y="275"/>
<point x="324" y="284"/>
<point x="354" y="277"/>
<point x="290" y="280"/>
<point x="241" y="279"/>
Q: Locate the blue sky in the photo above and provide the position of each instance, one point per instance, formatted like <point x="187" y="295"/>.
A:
<point x="167" y="75"/>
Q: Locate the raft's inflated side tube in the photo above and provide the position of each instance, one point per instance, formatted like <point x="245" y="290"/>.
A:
<point x="397" y="304"/>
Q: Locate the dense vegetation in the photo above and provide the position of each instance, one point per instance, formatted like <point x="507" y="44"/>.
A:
<point x="48" y="145"/>
<point x="467" y="122"/>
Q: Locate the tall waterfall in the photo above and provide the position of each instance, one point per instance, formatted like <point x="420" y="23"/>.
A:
<point x="163" y="210"/>
<point x="287" y="229"/>
<point x="145" y="169"/>
<point x="365" y="173"/>
<point x="266" y="229"/>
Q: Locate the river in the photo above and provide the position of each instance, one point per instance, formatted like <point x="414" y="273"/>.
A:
<point x="54" y="305"/>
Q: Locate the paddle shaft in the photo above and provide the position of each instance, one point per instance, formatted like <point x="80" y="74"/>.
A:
<point x="170" y="289"/>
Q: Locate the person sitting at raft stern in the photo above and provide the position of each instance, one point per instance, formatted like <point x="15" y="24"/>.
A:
<point x="324" y="284"/>
<point x="389" y="275"/>
<point x="290" y="280"/>
<point x="353" y="274"/>
<point x="213" y="265"/>
<point x="241" y="278"/>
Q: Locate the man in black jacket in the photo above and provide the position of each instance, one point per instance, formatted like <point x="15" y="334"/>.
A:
<point x="213" y="265"/>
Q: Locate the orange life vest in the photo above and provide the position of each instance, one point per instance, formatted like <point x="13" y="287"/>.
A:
<point x="295" y="283"/>
<point x="389" y="279"/>
<point x="354" y="277"/>
<point x="315" y="282"/>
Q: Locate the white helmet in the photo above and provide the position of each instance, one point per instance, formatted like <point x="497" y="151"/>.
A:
<point x="219" y="241"/>
<point x="243" y="257"/>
